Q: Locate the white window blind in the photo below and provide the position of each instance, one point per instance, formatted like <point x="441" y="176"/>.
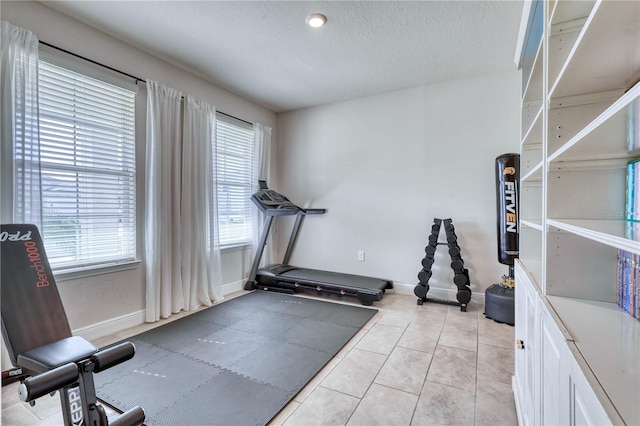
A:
<point x="234" y="149"/>
<point x="87" y="137"/>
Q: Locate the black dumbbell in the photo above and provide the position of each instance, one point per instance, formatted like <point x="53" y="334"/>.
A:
<point x="421" y="291"/>
<point x="457" y="264"/>
<point x="427" y="262"/>
<point x="460" y="280"/>
<point x="424" y="276"/>
<point x="463" y="296"/>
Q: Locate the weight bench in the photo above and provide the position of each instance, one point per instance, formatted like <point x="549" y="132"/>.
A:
<point x="38" y="337"/>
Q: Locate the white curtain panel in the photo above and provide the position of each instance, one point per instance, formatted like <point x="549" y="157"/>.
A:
<point x="163" y="244"/>
<point x="261" y="170"/>
<point x="200" y="253"/>
<point x="20" y="181"/>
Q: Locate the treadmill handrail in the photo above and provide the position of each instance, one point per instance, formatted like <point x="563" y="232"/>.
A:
<point x="313" y="211"/>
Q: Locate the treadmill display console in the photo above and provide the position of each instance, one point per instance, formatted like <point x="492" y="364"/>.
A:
<point x="272" y="203"/>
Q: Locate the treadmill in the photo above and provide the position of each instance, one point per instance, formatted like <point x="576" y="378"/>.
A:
<point x="287" y="278"/>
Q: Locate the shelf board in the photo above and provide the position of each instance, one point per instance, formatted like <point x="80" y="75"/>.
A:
<point x="533" y="136"/>
<point x="609" y="341"/>
<point x="531" y="111"/>
<point x="564" y="11"/>
<point x="531" y="249"/>
<point x="562" y="38"/>
<point x="534" y="269"/>
<point x="532" y="223"/>
<point x="606" y="136"/>
<point x="525" y="267"/>
<point x="533" y="89"/>
<point x="530" y="159"/>
<point x="605" y="57"/>
<point x="609" y="232"/>
<point x="534" y="175"/>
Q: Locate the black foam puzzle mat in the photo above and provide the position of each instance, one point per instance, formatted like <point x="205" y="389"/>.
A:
<point x="236" y="363"/>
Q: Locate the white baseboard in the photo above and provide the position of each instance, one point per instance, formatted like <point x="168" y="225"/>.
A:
<point x="110" y="326"/>
<point x="114" y="325"/>
<point x="437" y="293"/>
<point x="233" y="287"/>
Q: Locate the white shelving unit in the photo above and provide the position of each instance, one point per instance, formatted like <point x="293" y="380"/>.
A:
<point x="579" y="90"/>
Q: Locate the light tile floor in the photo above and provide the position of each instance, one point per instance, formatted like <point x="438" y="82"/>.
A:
<point x="410" y="365"/>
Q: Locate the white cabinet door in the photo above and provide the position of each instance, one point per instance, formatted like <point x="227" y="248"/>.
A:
<point x="526" y="381"/>
<point x="554" y="369"/>
<point x="585" y="407"/>
<point x="519" y="380"/>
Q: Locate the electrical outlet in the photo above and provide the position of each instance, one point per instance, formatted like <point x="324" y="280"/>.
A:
<point x="361" y="255"/>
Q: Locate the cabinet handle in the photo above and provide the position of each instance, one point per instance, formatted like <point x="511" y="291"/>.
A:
<point x="519" y="344"/>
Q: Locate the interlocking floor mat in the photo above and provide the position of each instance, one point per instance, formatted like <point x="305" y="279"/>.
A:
<point x="236" y="363"/>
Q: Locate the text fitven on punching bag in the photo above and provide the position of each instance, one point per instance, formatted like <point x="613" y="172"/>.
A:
<point x="507" y="186"/>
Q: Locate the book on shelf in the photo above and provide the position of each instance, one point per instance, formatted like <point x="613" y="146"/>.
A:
<point x="628" y="270"/>
<point x="633" y="126"/>
<point x="632" y="195"/>
<point x="628" y="273"/>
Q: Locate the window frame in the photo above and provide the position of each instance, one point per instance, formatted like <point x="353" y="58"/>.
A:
<point x="248" y="149"/>
<point x="133" y="258"/>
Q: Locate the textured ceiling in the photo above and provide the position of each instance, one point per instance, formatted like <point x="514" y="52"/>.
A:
<point x="264" y="51"/>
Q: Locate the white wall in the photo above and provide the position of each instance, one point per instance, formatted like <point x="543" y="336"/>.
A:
<point x="103" y="298"/>
<point x="384" y="166"/>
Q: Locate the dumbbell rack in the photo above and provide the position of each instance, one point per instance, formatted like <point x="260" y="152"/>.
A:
<point x="460" y="273"/>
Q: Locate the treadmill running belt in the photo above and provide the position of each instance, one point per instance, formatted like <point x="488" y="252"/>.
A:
<point x="335" y="278"/>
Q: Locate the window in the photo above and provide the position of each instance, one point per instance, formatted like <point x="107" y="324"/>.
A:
<point x="234" y="149"/>
<point x="87" y="137"/>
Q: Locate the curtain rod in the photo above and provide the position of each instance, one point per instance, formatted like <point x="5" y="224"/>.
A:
<point x="235" y="118"/>
<point x="137" y="79"/>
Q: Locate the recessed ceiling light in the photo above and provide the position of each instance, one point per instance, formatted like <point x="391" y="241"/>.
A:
<point x="316" y="20"/>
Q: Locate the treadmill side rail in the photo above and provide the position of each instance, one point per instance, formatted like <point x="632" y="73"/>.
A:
<point x="291" y="278"/>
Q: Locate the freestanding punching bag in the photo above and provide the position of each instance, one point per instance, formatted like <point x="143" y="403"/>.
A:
<point x="507" y="191"/>
<point x="500" y="298"/>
